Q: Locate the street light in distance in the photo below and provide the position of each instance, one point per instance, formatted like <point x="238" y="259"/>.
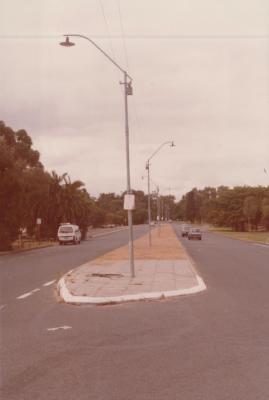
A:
<point x="171" y="142"/>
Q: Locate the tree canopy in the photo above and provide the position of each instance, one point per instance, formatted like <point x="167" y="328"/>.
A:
<point x="28" y="192"/>
<point x="240" y="208"/>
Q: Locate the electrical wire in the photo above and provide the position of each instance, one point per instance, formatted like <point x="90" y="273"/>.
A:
<point x="123" y="36"/>
<point x="108" y="31"/>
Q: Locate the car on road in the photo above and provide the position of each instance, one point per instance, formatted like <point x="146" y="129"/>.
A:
<point x="185" y="230"/>
<point x="69" y="233"/>
<point x="195" y="233"/>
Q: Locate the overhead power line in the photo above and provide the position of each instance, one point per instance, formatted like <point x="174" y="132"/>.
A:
<point x="164" y="36"/>
<point x="108" y="31"/>
<point x="123" y="35"/>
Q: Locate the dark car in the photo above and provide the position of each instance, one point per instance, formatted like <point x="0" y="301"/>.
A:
<point x="185" y="230"/>
<point x="195" y="233"/>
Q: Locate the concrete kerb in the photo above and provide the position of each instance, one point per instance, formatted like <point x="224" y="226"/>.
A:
<point x="191" y="260"/>
<point x="69" y="298"/>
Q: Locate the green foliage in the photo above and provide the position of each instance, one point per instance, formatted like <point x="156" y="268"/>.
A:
<point x="111" y="205"/>
<point x="265" y="211"/>
<point x="28" y="192"/>
<point x="240" y="208"/>
<point x="17" y="159"/>
<point x="98" y="217"/>
<point x="192" y="211"/>
<point x="140" y="216"/>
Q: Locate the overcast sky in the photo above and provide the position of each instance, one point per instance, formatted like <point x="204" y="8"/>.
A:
<point x="200" y="74"/>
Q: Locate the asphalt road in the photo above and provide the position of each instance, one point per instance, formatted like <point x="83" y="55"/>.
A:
<point x="211" y="346"/>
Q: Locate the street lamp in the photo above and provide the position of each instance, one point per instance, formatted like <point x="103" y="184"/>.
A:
<point x="169" y="202"/>
<point x="157" y="193"/>
<point x="147" y="168"/>
<point x="128" y="91"/>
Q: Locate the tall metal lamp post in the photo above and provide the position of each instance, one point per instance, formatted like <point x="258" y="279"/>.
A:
<point x="147" y="168"/>
<point x="128" y="91"/>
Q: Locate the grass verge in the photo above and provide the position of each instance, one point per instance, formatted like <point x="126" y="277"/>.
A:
<point x="31" y="244"/>
<point x="260" y="237"/>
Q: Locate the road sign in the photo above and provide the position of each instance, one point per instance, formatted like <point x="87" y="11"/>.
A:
<point x="129" y="202"/>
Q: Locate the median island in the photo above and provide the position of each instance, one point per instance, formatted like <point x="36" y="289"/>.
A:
<point x="162" y="270"/>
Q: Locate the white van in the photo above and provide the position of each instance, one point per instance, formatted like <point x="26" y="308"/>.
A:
<point x="68" y="233"/>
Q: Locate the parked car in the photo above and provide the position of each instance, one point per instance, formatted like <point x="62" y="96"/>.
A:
<point x="185" y="230"/>
<point x="195" y="233"/>
<point x="68" y="233"/>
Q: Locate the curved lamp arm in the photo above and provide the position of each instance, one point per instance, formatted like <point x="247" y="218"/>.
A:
<point x="158" y="149"/>
<point x="67" y="43"/>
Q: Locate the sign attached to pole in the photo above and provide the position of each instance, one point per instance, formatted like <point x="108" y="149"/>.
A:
<point x="38" y="221"/>
<point x="129" y="202"/>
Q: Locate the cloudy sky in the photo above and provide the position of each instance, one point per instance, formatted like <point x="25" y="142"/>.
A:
<point x="200" y="74"/>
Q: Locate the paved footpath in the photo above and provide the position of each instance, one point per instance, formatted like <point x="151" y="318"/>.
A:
<point x="162" y="270"/>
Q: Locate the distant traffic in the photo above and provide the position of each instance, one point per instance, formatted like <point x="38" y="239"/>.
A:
<point x="191" y="232"/>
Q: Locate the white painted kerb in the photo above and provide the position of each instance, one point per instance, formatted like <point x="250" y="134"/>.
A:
<point x="69" y="298"/>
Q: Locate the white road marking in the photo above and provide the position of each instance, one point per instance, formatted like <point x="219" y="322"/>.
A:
<point x="49" y="283"/>
<point x="3" y="306"/>
<point x="262" y="245"/>
<point x="23" y="296"/>
<point x="59" y="327"/>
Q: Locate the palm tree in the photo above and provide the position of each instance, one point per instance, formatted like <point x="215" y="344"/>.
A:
<point x="54" y="207"/>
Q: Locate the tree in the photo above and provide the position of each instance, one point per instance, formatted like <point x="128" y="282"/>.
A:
<point x="28" y="192"/>
<point x="191" y="210"/>
<point x="265" y="212"/>
<point x="98" y="217"/>
<point x="68" y="202"/>
<point x="250" y="210"/>
<point x="228" y="207"/>
<point x="35" y="194"/>
<point x="17" y="157"/>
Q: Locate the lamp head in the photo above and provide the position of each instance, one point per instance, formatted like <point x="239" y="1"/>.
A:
<point x="172" y="144"/>
<point x="67" y="43"/>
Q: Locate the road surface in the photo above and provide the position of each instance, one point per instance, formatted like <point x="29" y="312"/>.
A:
<point x="211" y="346"/>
